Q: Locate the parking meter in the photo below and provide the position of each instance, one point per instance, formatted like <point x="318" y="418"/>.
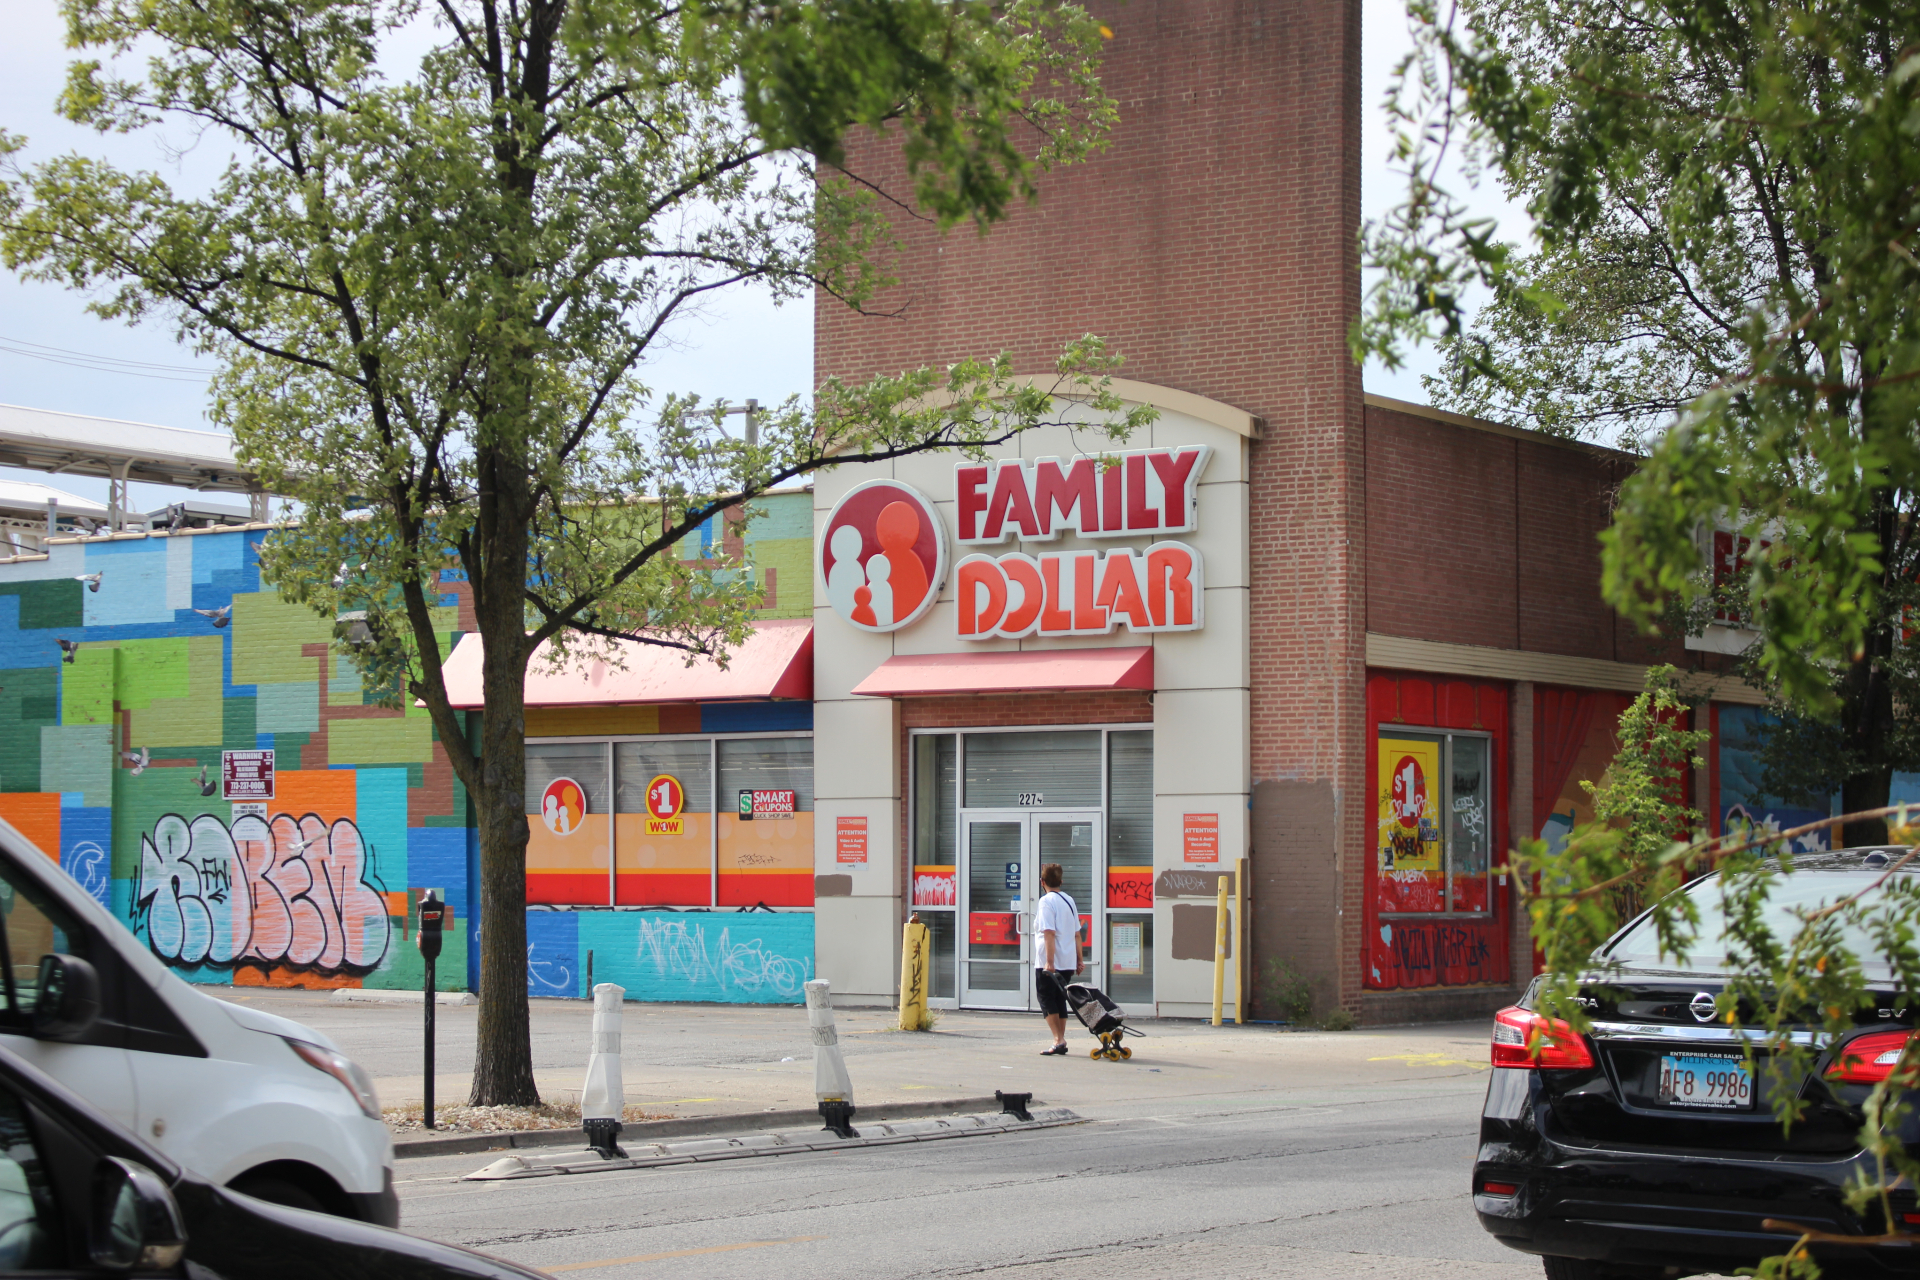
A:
<point x="433" y="924"/>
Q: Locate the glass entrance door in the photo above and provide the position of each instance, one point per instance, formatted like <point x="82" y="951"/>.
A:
<point x="1001" y="854"/>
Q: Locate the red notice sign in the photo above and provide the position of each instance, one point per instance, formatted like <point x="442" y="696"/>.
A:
<point x="850" y="839"/>
<point x="1200" y="837"/>
<point x="246" y="775"/>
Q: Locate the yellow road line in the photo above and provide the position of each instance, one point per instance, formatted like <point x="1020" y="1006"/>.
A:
<point x="676" y="1253"/>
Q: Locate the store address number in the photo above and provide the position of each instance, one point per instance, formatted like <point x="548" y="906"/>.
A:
<point x="1030" y="798"/>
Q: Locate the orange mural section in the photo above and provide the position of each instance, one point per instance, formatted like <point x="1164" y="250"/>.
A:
<point x="768" y="862"/>
<point x="35" y="815"/>
<point x="568" y="870"/>
<point x="660" y="869"/>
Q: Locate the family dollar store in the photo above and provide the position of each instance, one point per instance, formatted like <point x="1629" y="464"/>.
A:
<point x="1348" y="646"/>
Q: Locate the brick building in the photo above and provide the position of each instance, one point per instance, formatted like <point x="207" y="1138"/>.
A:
<point x="1404" y="657"/>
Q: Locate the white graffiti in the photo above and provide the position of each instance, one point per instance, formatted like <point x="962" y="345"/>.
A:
<point x="540" y="976"/>
<point x="678" y="949"/>
<point x="286" y="891"/>
<point x="87" y="862"/>
<point x="938" y="890"/>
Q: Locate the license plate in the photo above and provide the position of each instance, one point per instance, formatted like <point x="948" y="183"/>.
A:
<point x="1718" y="1081"/>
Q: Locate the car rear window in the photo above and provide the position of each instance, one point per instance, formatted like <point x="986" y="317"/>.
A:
<point x="1788" y="899"/>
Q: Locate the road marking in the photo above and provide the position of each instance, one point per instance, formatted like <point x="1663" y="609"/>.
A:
<point x="1433" y="1060"/>
<point x="676" y="1253"/>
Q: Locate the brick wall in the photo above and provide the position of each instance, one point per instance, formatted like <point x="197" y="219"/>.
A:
<point x="1213" y="245"/>
<point x="1488" y="538"/>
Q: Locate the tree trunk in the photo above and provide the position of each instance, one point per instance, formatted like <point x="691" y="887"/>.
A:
<point x="1867" y="725"/>
<point x="503" y="1053"/>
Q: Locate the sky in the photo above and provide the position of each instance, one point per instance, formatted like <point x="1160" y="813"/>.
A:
<point x="54" y="354"/>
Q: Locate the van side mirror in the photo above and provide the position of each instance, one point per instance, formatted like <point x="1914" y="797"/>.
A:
<point x="67" y="997"/>
<point x="136" y="1224"/>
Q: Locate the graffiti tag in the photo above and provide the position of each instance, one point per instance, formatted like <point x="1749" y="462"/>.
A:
<point x="680" y="950"/>
<point x="295" y="892"/>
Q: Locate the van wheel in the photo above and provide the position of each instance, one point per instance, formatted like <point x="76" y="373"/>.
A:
<point x="277" y="1191"/>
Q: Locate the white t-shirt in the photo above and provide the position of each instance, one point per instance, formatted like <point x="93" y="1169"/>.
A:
<point x="1061" y="914"/>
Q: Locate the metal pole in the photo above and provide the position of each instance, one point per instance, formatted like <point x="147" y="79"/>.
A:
<point x="429" y="1107"/>
<point x="1219" y="949"/>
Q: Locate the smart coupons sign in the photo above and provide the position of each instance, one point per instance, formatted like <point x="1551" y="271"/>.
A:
<point x="883" y="555"/>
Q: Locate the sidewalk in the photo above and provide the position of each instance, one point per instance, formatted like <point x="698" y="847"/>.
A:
<point x="687" y="1061"/>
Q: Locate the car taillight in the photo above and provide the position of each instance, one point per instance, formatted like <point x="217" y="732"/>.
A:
<point x="1525" y="1039"/>
<point x="1868" y="1059"/>
<point x="1499" y="1188"/>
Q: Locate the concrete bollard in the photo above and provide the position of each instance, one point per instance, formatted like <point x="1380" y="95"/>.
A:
<point x="831" y="1083"/>
<point x="603" y="1098"/>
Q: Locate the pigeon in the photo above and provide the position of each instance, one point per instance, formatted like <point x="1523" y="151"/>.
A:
<point x="137" y="760"/>
<point x="91" y="579"/>
<point x="67" y="649"/>
<point x="218" y="616"/>
<point x="207" y="785"/>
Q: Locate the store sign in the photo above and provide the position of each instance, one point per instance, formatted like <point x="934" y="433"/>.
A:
<point x="1409" y="839"/>
<point x="883" y="555"/>
<point x="767" y="806"/>
<point x="665" y="799"/>
<point x="246" y="775"/>
<point x="1149" y="492"/>
<point x="563" y="805"/>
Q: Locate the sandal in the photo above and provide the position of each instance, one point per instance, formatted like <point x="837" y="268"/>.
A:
<point x="1058" y="1049"/>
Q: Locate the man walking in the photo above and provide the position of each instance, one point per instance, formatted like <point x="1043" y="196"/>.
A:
<point x="1056" y="957"/>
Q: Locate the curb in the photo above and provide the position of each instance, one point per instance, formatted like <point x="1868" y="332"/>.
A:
<point x="384" y="995"/>
<point x="692" y="1126"/>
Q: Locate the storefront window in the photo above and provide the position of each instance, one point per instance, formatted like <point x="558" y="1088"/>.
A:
<point x="765" y="817"/>
<point x="1435" y="825"/>
<point x="664" y="860"/>
<point x="1130" y="960"/>
<point x="1130" y="820"/>
<point x="568" y="838"/>
<point x="1033" y="770"/>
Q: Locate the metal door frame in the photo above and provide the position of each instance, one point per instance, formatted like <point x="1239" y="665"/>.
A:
<point x="1030" y="821"/>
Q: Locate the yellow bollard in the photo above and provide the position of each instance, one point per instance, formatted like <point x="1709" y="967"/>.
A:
<point x="916" y="956"/>
<point x="1219" y="950"/>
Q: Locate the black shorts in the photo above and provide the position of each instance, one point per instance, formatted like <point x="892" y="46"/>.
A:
<point x="1052" y="990"/>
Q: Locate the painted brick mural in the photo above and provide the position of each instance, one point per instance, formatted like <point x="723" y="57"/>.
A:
<point x="118" y="697"/>
<point x="120" y="693"/>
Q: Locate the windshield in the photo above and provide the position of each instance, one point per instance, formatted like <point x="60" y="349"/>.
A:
<point x="1788" y="899"/>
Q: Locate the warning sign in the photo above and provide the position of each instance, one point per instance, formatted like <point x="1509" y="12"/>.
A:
<point x="1200" y="837"/>
<point x="850" y="839"/>
<point x="246" y="775"/>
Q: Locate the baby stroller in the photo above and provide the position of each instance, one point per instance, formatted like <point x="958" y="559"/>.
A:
<point x="1101" y="1016"/>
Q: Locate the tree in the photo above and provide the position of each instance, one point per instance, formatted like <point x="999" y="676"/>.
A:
<point x="1721" y="197"/>
<point x="431" y="295"/>
<point x="1764" y="150"/>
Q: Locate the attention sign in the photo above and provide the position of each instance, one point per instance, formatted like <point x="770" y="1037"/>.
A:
<point x="850" y="839"/>
<point x="1200" y="837"/>
<point x="246" y="775"/>
<point x="767" y="806"/>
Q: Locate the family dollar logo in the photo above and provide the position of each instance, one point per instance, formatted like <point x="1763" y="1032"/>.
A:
<point x="562" y="806"/>
<point x="665" y="798"/>
<point x="1146" y="493"/>
<point x="883" y="556"/>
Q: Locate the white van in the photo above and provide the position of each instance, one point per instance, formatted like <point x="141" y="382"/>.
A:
<point x="243" y="1098"/>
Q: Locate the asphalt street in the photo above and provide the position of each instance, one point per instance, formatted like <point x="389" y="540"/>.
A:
<point x="1353" y="1187"/>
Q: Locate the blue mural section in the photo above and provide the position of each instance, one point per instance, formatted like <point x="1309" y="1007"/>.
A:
<point x="725" y="957"/>
<point x="1741" y="799"/>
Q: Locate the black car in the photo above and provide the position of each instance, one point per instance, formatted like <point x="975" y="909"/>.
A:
<point x="1646" y="1148"/>
<point x="80" y="1196"/>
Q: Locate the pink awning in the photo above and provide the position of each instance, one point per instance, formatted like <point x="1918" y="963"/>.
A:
<point x="931" y="674"/>
<point x="776" y="661"/>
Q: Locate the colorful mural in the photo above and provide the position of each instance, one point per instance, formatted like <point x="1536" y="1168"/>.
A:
<point x="130" y="664"/>
<point x="733" y="957"/>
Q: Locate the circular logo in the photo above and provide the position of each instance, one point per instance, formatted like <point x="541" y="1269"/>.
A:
<point x="1409" y="792"/>
<point x="883" y="555"/>
<point x="562" y="805"/>
<point x="665" y="796"/>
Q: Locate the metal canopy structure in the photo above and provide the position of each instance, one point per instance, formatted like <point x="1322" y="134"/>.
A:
<point x="77" y="445"/>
